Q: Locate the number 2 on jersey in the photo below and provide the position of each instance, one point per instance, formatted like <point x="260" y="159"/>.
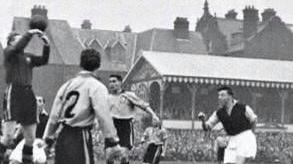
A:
<point x="71" y="100"/>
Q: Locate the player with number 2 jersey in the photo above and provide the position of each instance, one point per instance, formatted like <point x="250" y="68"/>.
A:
<point x="77" y="104"/>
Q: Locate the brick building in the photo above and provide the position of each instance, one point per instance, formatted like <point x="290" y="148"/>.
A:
<point x="119" y="49"/>
<point x="268" y="38"/>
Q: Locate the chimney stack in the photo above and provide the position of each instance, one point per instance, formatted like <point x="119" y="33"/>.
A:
<point x="250" y="21"/>
<point x="267" y="14"/>
<point x="181" y="28"/>
<point x="86" y="24"/>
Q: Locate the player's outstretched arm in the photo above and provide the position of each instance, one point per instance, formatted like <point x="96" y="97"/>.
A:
<point x="252" y="117"/>
<point x="44" y="59"/>
<point x="152" y="113"/>
<point x="212" y="121"/>
<point x="201" y="116"/>
<point x="22" y="43"/>
<point x="138" y="102"/>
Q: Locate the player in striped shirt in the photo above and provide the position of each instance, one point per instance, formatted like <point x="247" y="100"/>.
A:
<point x="78" y="103"/>
<point x="156" y="138"/>
<point x="19" y="100"/>
<point x="123" y="107"/>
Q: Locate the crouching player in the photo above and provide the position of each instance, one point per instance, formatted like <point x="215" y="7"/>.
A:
<point x="156" y="138"/>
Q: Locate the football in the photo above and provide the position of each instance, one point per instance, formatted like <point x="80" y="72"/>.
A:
<point x="38" y="22"/>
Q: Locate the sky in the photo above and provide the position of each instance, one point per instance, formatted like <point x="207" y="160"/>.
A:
<point x="139" y="14"/>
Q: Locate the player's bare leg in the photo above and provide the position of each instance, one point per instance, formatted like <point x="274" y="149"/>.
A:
<point x="29" y="136"/>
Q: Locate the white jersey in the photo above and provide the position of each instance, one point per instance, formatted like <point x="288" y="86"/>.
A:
<point x="78" y="100"/>
<point x="123" y="105"/>
<point x="155" y="135"/>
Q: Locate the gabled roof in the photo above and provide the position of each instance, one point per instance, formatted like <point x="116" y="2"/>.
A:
<point x="231" y="26"/>
<point x="108" y="37"/>
<point x="218" y="69"/>
<point x="261" y="27"/>
<point x="65" y="48"/>
<point x="164" y="40"/>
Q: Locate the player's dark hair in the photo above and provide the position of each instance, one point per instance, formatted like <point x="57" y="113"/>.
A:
<point x="119" y="77"/>
<point x="226" y="88"/>
<point x="90" y="59"/>
<point x="11" y="36"/>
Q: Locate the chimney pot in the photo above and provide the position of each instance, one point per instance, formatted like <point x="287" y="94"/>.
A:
<point x="86" y="24"/>
<point x="181" y="28"/>
<point x="39" y="10"/>
<point x="127" y="29"/>
<point x="250" y="21"/>
<point x="267" y="14"/>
